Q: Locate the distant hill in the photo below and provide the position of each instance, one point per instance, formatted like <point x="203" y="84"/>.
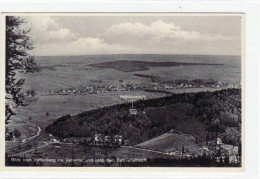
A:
<point x="131" y="66"/>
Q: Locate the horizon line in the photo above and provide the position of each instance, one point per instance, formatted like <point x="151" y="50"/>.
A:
<point x="132" y="54"/>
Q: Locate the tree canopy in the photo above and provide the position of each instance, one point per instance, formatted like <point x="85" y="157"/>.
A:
<point x="17" y="46"/>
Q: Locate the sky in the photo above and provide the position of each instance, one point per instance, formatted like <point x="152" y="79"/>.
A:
<point x="134" y="34"/>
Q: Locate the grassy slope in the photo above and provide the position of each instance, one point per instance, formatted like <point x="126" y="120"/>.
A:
<point x="170" y="142"/>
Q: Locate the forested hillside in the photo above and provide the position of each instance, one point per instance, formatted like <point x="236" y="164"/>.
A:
<point x="205" y="115"/>
<point x="134" y="65"/>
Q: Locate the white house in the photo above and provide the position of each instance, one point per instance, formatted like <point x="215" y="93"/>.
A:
<point x="118" y="139"/>
<point x="219" y="141"/>
<point x="133" y="111"/>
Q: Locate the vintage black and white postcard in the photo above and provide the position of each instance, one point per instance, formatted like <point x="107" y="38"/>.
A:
<point x="124" y="90"/>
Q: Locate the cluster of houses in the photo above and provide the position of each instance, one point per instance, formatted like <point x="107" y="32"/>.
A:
<point x="137" y="87"/>
<point x="98" y="139"/>
<point x="93" y="89"/>
<point x="221" y="150"/>
<point x="227" y="150"/>
<point x="101" y="139"/>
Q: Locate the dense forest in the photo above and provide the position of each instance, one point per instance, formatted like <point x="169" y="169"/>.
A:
<point x="135" y="65"/>
<point x="205" y="115"/>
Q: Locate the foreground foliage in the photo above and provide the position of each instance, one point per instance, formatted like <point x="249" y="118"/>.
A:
<point x="18" y="43"/>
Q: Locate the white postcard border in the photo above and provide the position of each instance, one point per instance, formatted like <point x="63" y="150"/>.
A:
<point x="250" y="80"/>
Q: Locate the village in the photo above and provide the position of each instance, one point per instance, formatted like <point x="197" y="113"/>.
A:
<point x="164" y="86"/>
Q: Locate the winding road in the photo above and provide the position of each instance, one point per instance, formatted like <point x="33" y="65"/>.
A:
<point x="28" y="139"/>
<point x="37" y="134"/>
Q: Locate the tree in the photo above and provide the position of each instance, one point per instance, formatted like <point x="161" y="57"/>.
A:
<point x="182" y="150"/>
<point x="17" y="133"/>
<point x="18" y="43"/>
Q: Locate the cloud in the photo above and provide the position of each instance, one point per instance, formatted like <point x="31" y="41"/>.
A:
<point x="51" y="38"/>
<point x="45" y="29"/>
<point x="81" y="46"/>
<point x="162" y="37"/>
<point x="158" y="32"/>
<point x="54" y="38"/>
